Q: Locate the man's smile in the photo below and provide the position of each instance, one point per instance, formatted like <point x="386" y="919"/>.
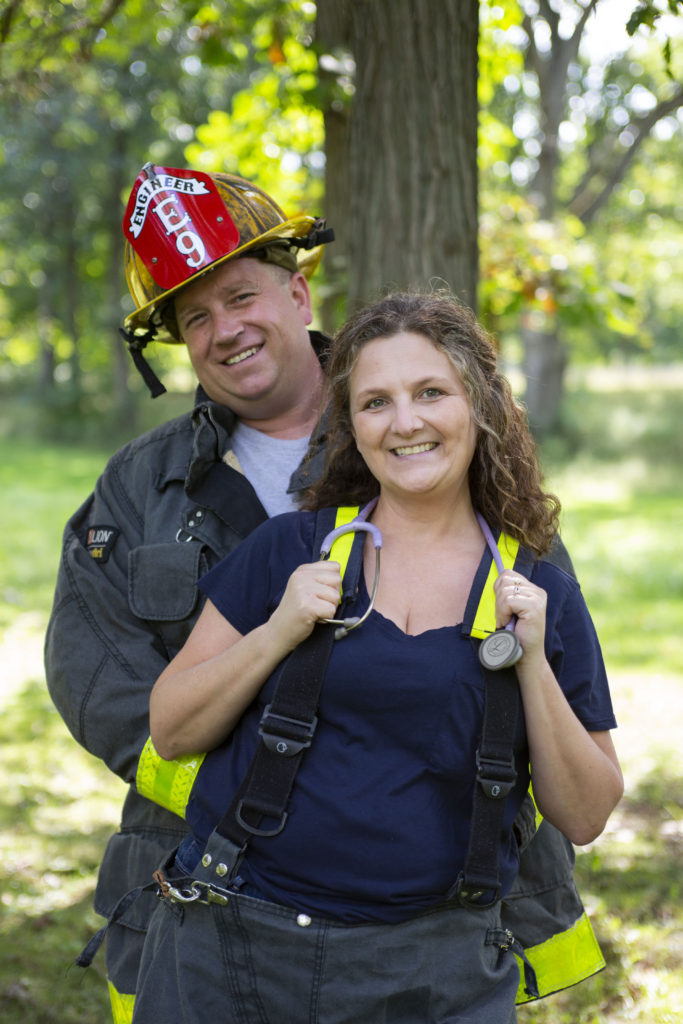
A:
<point x="241" y="356"/>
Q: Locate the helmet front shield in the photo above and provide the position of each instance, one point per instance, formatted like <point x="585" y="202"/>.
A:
<point x="178" y="224"/>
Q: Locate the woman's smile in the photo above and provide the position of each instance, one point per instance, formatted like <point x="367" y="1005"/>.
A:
<point x="415" y="449"/>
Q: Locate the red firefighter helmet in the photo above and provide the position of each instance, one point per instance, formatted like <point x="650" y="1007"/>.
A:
<point x="180" y="223"/>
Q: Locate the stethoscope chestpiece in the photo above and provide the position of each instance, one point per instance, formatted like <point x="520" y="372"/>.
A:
<point x="500" y="650"/>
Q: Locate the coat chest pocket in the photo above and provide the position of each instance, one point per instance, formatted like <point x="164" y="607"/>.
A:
<point x="162" y="581"/>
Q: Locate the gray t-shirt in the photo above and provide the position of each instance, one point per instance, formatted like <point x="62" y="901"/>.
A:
<point x="268" y="463"/>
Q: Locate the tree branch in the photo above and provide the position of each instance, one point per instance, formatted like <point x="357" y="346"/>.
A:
<point x="7" y="18"/>
<point x="641" y="128"/>
<point x="45" y="40"/>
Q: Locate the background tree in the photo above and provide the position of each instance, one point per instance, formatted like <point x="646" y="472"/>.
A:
<point x="77" y="124"/>
<point x="576" y="129"/>
<point x="401" y="172"/>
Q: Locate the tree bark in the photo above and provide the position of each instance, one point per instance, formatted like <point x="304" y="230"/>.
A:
<point x="545" y="357"/>
<point x="71" y="285"/>
<point x="412" y="166"/>
<point x="332" y="35"/>
<point x="46" y="365"/>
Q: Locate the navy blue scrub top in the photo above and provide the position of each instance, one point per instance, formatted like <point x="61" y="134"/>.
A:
<point x="379" y="817"/>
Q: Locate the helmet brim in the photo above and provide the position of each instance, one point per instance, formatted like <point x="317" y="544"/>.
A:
<point x="307" y="262"/>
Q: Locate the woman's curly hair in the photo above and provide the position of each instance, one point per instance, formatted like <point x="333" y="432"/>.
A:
<point x="504" y="476"/>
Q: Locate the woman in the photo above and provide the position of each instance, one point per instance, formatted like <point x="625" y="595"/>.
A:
<point x="344" y="915"/>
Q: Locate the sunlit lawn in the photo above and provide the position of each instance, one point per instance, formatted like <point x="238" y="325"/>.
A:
<point x="623" y="523"/>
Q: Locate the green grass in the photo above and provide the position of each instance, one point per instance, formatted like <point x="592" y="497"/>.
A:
<point x="617" y="471"/>
<point x="59" y="805"/>
<point x="41" y="484"/>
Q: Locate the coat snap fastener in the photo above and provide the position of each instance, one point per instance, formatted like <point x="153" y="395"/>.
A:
<point x="303" y="920"/>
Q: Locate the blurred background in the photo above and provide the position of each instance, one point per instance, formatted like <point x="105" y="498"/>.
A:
<point x="526" y="153"/>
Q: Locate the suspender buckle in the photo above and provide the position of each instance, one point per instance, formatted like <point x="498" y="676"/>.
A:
<point x="471" y="896"/>
<point x="496" y="777"/>
<point x="286" y="736"/>
<point x="198" y="892"/>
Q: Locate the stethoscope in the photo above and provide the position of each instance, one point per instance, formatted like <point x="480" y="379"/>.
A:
<point x="499" y="650"/>
<point x="357" y="525"/>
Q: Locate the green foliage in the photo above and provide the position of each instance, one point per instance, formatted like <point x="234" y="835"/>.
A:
<point x="90" y="91"/>
<point x="75" y="132"/>
<point x="602" y="280"/>
<point x="84" y="108"/>
<point x="648" y="13"/>
<point x="272" y="132"/>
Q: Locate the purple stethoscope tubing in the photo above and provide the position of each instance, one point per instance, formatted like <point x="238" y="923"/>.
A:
<point x="359" y="524"/>
<point x="493" y="548"/>
<point x="502" y="648"/>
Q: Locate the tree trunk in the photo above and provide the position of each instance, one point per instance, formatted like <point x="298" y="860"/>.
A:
<point x="544" y="365"/>
<point x="332" y="33"/>
<point x="412" y="165"/>
<point x="71" y="286"/>
<point x="125" y="405"/>
<point x="46" y="366"/>
<point x="47" y="312"/>
<point x="545" y="357"/>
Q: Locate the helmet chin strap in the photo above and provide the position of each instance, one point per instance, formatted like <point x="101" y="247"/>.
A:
<point x="136" y="343"/>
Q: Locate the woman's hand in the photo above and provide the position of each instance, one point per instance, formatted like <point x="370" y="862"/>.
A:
<point x="312" y="594"/>
<point x="575" y="773"/>
<point x="201" y="695"/>
<point x="517" y="596"/>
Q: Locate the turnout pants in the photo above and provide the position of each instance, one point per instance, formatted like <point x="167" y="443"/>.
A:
<point x="255" y="962"/>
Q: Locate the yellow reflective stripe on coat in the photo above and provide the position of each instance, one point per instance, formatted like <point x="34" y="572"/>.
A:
<point x="169" y="783"/>
<point x="563" y="960"/>
<point x="121" y="1006"/>
<point x="485" y="619"/>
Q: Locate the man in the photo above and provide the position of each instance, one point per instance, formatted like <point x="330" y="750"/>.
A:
<point x="211" y="261"/>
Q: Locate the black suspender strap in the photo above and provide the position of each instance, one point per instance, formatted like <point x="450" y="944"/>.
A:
<point x="287" y="726"/>
<point x="259" y="807"/>
<point x="479" y="883"/>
